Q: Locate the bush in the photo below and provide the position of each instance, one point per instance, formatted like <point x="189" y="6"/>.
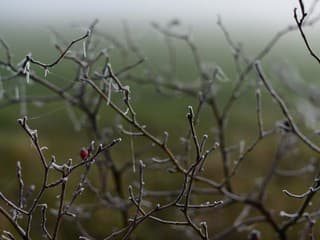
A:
<point x="137" y="181"/>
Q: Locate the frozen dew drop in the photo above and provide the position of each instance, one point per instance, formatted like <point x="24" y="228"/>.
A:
<point x="28" y="77"/>
<point x="84" y="50"/>
<point x="46" y="71"/>
<point x="26" y="71"/>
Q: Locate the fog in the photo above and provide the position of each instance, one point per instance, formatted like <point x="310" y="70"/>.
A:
<point x="241" y="12"/>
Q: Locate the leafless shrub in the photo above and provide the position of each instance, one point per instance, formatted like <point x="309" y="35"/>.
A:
<point x="94" y="89"/>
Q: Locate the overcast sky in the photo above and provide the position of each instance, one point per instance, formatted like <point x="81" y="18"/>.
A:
<point x="238" y="11"/>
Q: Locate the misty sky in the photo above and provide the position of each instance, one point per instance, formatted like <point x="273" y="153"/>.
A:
<point x="239" y="11"/>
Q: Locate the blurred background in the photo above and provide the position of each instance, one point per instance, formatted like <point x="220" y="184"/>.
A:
<point x="34" y="26"/>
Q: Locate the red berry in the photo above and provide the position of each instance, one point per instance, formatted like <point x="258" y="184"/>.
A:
<point x="84" y="153"/>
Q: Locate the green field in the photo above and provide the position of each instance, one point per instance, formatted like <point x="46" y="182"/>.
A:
<point x="162" y="110"/>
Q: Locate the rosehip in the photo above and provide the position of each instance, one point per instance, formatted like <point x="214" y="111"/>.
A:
<point x="84" y="153"/>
